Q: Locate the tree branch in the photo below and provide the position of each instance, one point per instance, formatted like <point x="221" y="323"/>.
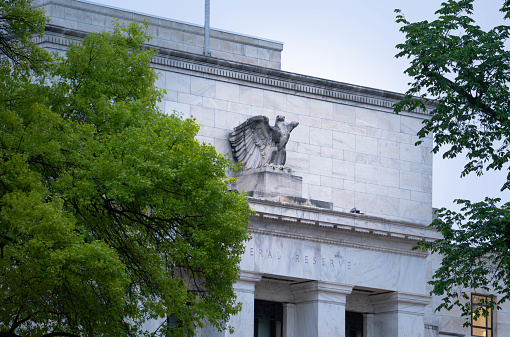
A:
<point x="17" y="323"/>
<point x="469" y="98"/>
<point x="68" y="334"/>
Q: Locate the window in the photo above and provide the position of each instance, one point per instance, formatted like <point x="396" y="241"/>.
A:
<point x="353" y="324"/>
<point x="172" y="322"/>
<point x="268" y="319"/>
<point x="482" y="326"/>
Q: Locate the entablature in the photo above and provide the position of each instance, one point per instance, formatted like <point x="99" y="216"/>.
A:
<point x="338" y="220"/>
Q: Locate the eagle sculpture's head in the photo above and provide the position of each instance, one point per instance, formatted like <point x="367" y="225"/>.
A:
<point x="279" y="119"/>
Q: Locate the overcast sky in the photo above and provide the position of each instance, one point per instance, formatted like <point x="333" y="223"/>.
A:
<point x="349" y="41"/>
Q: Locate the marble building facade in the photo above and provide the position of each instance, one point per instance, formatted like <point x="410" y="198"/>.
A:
<point x="332" y="239"/>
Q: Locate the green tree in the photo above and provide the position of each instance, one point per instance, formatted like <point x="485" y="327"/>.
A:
<point x="19" y="21"/>
<point x="464" y="73"/>
<point x="111" y="213"/>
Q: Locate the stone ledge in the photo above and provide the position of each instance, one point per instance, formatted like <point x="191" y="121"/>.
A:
<point x="324" y="217"/>
<point x="450" y="334"/>
<point x="275" y="79"/>
<point x="286" y="199"/>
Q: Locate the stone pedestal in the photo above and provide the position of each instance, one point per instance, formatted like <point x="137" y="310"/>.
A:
<point x="399" y="314"/>
<point x="269" y="179"/>
<point x="320" y="309"/>
<point x="275" y="184"/>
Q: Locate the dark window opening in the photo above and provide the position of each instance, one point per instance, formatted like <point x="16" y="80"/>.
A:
<point x="172" y="322"/>
<point x="353" y="324"/>
<point x="482" y="326"/>
<point x="268" y="319"/>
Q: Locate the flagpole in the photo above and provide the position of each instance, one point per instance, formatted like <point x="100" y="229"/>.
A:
<point x="207" y="52"/>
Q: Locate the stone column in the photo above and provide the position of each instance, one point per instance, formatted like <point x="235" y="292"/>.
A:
<point x="368" y="325"/>
<point x="244" y="320"/>
<point x="289" y="320"/>
<point x="399" y="314"/>
<point x="320" y="309"/>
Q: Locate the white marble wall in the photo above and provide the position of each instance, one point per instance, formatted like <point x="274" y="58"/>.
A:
<point x="350" y="155"/>
<point x="166" y="33"/>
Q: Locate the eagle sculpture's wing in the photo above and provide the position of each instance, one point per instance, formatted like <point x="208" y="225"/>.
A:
<point x="252" y="142"/>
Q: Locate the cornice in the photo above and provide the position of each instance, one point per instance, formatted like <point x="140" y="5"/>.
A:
<point x="279" y="80"/>
<point x="338" y="220"/>
<point x="333" y="212"/>
<point x="273" y="79"/>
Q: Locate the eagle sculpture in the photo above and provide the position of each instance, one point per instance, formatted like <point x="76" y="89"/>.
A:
<point x="255" y="143"/>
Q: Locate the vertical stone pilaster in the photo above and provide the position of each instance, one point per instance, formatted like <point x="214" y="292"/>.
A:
<point x="245" y="291"/>
<point x="399" y="314"/>
<point x="243" y="321"/>
<point x="289" y="320"/>
<point x="320" y="308"/>
<point x="368" y="325"/>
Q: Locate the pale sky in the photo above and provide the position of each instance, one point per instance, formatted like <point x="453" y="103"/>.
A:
<point x="350" y="41"/>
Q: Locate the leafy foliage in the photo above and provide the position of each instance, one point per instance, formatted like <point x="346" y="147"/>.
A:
<point x="19" y="21"/>
<point x="464" y="72"/>
<point x="111" y="213"/>
<point x="475" y="254"/>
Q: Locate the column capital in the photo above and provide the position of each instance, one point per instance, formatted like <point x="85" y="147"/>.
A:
<point x="321" y="291"/>
<point x="400" y="302"/>
<point x="246" y="282"/>
<point x="249" y="276"/>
